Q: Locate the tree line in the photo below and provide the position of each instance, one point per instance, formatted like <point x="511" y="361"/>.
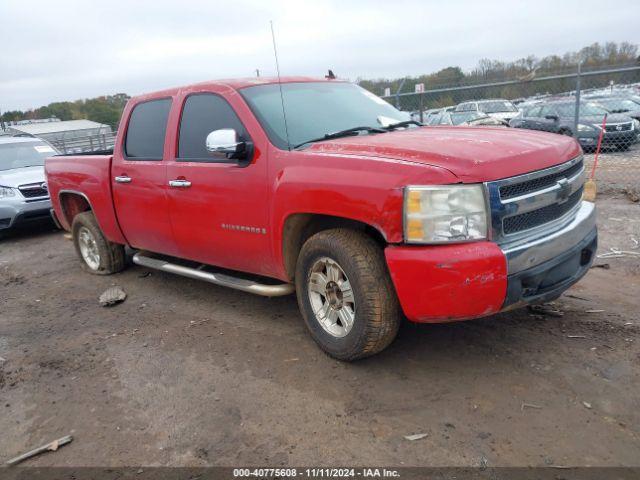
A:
<point x="106" y="109"/>
<point x="593" y="57"/>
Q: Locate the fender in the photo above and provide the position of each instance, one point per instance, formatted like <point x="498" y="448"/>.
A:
<point x="357" y="188"/>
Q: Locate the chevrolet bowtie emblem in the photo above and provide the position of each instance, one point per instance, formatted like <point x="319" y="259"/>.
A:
<point x="564" y="191"/>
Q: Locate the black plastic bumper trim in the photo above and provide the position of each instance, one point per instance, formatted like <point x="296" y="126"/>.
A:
<point x="547" y="281"/>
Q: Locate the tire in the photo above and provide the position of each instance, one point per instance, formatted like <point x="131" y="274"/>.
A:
<point x="566" y="132"/>
<point x="374" y="311"/>
<point x="102" y="257"/>
<point x="623" y="147"/>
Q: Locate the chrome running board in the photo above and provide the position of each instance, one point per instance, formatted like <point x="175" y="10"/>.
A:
<point x="217" y="278"/>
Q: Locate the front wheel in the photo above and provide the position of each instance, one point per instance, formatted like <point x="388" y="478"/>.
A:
<point x="345" y="294"/>
<point x="98" y="255"/>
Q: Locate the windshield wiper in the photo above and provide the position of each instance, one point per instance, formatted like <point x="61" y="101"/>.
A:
<point x="342" y="133"/>
<point x="406" y="123"/>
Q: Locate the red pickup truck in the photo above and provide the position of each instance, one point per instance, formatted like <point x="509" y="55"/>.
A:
<point x="322" y="188"/>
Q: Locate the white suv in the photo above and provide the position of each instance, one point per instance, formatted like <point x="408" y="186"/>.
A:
<point x="496" y="108"/>
<point x="23" y="189"/>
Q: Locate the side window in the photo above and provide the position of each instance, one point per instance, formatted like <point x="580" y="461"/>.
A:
<point x="202" y="114"/>
<point x="533" y="112"/>
<point x="548" y="110"/>
<point x="146" y="130"/>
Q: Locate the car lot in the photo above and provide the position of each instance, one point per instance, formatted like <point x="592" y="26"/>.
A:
<point x="186" y="373"/>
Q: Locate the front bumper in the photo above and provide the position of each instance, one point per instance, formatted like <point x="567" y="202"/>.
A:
<point x="471" y="280"/>
<point x="609" y="138"/>
<point x="18" y="211"/>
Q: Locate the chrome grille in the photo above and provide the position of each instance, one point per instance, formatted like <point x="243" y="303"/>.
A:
<point x="536" y="202"/>
<point x="535" y="218"/>
<point x="618" y="127"/>
<point x="34" y="190"/>
<point x="518" y="189"/>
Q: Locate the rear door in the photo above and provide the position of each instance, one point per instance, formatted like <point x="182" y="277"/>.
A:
<point x="139" y="178"/>
<point x="218" y="208"/>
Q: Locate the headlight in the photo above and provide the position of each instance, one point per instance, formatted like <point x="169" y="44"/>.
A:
<point x="7" y="192"/>
<point x="636" y="124"/>
<point x="585" y="128"/>
<point x="451" y="213"/>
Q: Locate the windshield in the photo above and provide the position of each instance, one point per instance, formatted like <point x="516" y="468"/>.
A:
<point x="497" y="106"/>
<point x="314" y="109"/>
<point x="24" y="154"/>
<point x="586" y="109"/>
<point x="617" y="104"/>
<point x="460" y="117"/>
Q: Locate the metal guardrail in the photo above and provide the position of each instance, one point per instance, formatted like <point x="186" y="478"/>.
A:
<point x="102" y="140"/>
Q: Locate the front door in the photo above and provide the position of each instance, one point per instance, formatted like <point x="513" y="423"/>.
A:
<point x="138" y="179"/>
<point x="218" y="208"/>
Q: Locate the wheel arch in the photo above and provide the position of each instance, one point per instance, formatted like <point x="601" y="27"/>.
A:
<point x="72" y="203"/>
<point x="298" y="227"/>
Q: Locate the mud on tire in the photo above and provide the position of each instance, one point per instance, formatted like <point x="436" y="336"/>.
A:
<point x="108" y="258"/>
<point x="377" y="312"/>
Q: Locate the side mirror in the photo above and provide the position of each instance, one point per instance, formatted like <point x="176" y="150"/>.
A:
<point x="552" y="117"/>
<point x="227" y="142"/>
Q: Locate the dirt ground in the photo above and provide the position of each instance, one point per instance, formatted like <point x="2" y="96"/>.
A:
<point x="184" y="373"/>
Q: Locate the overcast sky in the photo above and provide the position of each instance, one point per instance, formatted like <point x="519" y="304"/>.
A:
<point x="54" y="50"/>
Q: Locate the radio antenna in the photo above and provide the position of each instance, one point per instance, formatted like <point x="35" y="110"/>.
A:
<point x="284" y="115"/>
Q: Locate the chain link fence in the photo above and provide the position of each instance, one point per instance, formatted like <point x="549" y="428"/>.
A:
<point x="599" y="107"/>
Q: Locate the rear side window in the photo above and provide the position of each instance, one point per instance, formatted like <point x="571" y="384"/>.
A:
<point x="466" y="107"/>
<point x="146" y="131"/>
<point x="548" y="110"/>
<point x="533" y="112"/>
<point x="202" y="114"/>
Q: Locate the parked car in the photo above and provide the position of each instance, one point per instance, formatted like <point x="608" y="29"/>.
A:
<point x="466" y="118"/>
<point x="362" y="217"/>
<point x="559" y="117"/>
<point x="496" y="108"/>
<point x="23" y="191"/>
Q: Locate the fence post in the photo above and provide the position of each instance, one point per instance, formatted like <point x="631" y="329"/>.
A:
<point x="576" y="119"/>
<point x="422" y="106"/>
<point x="398" y="93"/>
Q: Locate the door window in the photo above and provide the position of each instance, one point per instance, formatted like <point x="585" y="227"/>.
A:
<point x="146" y="130"/>
<point x="532" y="112"/>
<point x="548" y="110"/>
<point x="201" y="115"/>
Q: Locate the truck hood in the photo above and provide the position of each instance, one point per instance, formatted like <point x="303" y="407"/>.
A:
<point x="473" y="154"/>
<point x="21" y="176"/>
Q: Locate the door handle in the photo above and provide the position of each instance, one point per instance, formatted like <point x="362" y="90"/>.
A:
<point x="180" y="183"/>
<point x="122" y="179"/>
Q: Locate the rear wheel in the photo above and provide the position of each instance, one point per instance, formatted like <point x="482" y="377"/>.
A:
<point x="345" y="294"/>
<point x="98" y="255"/>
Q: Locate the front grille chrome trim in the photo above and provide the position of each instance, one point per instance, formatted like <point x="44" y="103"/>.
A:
<point x="562" y="190"/>
<point x="34" y="191"/>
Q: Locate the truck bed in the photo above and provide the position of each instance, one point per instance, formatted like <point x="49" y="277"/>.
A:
<point x="78" y="181"/>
